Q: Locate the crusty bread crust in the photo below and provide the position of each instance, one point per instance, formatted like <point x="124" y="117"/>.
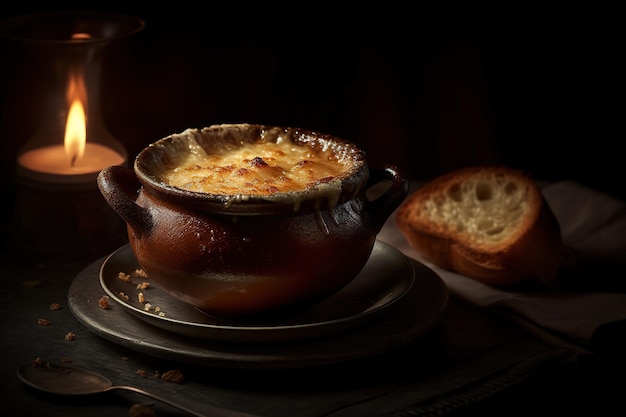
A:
<point x="488" y="223"/>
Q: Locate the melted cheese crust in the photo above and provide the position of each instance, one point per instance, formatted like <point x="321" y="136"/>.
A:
<point x="259" y="168"/>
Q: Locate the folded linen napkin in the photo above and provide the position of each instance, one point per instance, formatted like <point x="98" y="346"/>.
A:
<point x="590" y="291"/>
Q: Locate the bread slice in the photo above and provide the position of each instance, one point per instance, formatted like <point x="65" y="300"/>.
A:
<point x="486" y="222"/>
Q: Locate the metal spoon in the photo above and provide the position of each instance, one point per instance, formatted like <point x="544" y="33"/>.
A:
<point x="68" y="380"/>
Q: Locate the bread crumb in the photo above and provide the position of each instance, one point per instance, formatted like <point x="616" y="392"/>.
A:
<point x="65" y="359"/>
<point x="141" y="298"/>
<point x="141" y="373"/>
<point x="174" y="375"/>
<point x="38" y="361"/>
<point x="103" y="302"/>
<point x="69" y="336"/>
<point x="43" y="322"/>
<point x="124" y="277"/>
<point x="141" y="273"/>
<point x="55" y="306"/>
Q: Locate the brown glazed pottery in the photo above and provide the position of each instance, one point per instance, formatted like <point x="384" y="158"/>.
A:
<point x="243" y="255"/>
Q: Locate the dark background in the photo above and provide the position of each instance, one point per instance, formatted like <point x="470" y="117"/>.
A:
<point x="427" y="90"/>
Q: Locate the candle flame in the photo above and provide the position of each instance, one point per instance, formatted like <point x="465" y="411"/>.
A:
<point x="76" y="125"/>
<point x="75" y="132"/>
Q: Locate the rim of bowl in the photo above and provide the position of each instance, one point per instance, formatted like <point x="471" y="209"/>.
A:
<point x="151" y="163"/>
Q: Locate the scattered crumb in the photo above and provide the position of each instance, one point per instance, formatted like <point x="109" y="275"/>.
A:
<point x="38" y="361"/>
<point x="124" y="277"/>
<point x="65" y="359"/>
<point x="124" y="358"/>
<point x="141" y="373"/>
<point x="69" y="336"/>
<point x="55" y="306"/>
<point x="174" y="375"/>
<point x="139" y="286"/>
<point x="103" y="302"/>
<point x="43" y="322"/>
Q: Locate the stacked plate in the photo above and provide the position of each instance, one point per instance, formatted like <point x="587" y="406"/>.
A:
<point x="391" y="302"/>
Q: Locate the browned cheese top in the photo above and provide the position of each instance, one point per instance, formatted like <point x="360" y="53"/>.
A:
<point x="258" y="168"/>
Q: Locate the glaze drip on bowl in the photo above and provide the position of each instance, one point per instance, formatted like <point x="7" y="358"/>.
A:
<point x="245" y="162"/>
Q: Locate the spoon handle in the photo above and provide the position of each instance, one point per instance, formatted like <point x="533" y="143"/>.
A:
<point x="213" y="411"/>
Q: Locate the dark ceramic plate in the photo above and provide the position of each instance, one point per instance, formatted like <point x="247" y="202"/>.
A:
<point x="409" y="317"/>
<point x="386" y="278"/>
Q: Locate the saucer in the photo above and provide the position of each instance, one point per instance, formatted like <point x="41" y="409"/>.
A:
<point x="385" y="279"/>
<point x="411" y="316"/>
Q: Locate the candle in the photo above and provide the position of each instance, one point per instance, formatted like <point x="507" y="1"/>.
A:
<point x="51" y="163"/>
<point x="76" y="161"/>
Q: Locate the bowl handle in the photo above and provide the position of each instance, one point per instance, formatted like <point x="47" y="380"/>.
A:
<point x="383" y="205"/>
<point x="119" y="186"/>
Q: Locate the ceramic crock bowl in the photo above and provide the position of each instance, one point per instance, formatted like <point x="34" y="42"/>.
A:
<point x="239" y="254"/>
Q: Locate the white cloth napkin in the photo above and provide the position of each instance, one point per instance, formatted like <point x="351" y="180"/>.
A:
<point x="593" y="225"/>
